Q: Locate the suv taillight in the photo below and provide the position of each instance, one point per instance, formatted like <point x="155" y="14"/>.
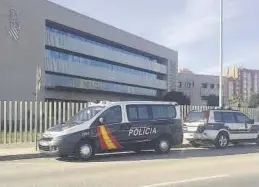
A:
<point x="206" y="116"/>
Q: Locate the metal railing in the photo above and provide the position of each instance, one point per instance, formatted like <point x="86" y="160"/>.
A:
<point x="25" y="121"/>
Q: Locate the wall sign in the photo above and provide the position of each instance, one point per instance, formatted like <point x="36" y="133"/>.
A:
<point x="14" y="24"/>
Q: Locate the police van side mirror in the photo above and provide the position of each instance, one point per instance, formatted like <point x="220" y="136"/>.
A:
<point x="252" y="121"/>
<point x="101" y="120"/>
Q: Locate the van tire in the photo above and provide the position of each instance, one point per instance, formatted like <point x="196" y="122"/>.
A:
<point x="84" y="150"/>
<point x="222" y="140"/>
<point x="63" y="156"/>
<point x="163" y="145"/>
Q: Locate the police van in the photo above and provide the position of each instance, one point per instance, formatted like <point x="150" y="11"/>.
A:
<point x="116" y="126"/>
<point x="219" y="126"/>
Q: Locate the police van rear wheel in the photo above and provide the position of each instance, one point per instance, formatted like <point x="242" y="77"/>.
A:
<point x="84" y="151"/>
<point x="163" y="145"/>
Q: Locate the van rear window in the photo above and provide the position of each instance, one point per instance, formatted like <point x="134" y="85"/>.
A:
<point x="195" y="116"/>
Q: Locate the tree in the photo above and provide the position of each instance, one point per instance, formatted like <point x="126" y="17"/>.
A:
<point x="254" y="101"/>
<point x="178" y="97"/>
<point x="213" y="100"/>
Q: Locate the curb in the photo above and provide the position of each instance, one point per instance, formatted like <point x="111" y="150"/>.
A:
<point x="183" y="146"/>
<point x="40" y="155"/>
<point x="23" y="156"/>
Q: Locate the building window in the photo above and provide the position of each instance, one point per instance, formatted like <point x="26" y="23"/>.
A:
<point x="179" y="84"/>
<point x="187" y="85"/>
<point x="212" y="86"/>
<point x="204" y="85"/>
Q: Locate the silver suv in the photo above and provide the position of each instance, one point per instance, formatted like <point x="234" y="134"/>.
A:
<point x="219" y="127"/>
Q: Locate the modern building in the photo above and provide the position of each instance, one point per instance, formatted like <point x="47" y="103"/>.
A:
<point x="198" y="87"/>
<point x="242" y="82"/>
<point x="81" y="59"/>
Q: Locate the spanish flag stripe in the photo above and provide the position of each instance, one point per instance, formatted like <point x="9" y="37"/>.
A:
<point x="114" y="141"/>
<point x="103" y="145"/>
<point x="107" y="139"/>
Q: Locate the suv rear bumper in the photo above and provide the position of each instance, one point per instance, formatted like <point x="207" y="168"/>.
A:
<point x="206" y="135"/>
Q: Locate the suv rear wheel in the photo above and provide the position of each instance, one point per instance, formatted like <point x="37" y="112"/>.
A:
<point x="222" y="140"/>
<point x="163" y="145"/>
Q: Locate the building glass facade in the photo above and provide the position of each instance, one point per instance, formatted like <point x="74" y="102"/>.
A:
<point x="53" y="81"/>
<point x="88" y="40"/>
<point x="55" y="55"/>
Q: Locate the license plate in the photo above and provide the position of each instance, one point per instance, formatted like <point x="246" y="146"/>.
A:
<point x="44" y="143"/>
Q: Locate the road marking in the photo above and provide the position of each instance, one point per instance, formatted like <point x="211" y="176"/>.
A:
<point x="186" y="181"/>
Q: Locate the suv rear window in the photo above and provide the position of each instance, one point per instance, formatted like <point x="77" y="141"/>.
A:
<point x="195" y="116"/>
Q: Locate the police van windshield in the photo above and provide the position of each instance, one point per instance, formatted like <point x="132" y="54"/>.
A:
<point x="85" y="114"/>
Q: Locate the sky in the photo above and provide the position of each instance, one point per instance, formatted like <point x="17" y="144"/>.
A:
<point x="191" y="27"/>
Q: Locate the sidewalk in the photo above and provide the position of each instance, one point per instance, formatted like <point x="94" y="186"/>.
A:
<point x="9" y="152"/>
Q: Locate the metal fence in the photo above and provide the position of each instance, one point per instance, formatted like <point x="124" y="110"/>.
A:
<point x="23" y="121"/>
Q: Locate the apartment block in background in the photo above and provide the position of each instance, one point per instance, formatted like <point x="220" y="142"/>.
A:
<point x="242" y="82"/>
<point x="198" y="87"/>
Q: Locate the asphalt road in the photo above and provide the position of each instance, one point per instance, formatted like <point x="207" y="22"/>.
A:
<point x="232" y="167"/>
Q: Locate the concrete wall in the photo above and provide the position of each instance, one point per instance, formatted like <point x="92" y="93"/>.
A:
<point x="19" y="59"/>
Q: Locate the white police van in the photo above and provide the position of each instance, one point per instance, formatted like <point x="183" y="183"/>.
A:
<point x="220" y="127"/>
<point x="116" y="126"/>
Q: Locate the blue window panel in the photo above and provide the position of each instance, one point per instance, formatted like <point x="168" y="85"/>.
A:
<point x="88" y="61"/>
<point x="75" y="59"/>
<point x="94" y="42"/>
<point x="93" y="62"/>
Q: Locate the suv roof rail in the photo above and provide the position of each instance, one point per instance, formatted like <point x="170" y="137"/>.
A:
<point x="225" y="108"/>
<point x="98" y="103"/>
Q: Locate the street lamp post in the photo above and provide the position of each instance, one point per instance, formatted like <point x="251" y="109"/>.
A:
<point x="220" y="55"/>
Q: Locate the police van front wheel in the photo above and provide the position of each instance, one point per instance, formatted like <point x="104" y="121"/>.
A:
<point x="84" y="151"/>
<point x="163" y="145"/>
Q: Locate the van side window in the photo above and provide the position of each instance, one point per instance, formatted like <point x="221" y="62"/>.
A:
<point x="142" y="112"/>
<point x="112" y="115"/>
<point x="133" y="113"/>
<point x="163" y="111"/>
<point x="137" y="112"/>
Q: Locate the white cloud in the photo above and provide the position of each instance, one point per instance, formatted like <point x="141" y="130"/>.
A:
<point x="197" y="22"/>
